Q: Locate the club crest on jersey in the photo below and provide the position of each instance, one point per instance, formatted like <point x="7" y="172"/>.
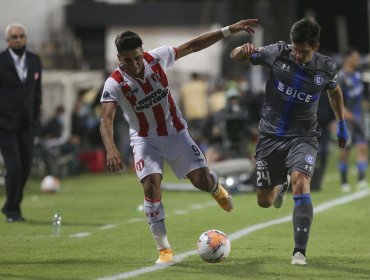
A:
<point x="318" y="79"/>
<point x="128" y="92"/>
<point x="309" y="159"/>
<point x="156" y="77"/>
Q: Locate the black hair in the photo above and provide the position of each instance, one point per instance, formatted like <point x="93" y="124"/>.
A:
<point x="305" y="30"/>
<point x="127" y="40"/>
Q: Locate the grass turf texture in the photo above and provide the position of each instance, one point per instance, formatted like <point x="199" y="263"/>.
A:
<point x="338" y="246"/>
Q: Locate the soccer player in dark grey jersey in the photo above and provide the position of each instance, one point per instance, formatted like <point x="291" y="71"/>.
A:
<point x="350" y="81"/>
<point x="287" y="143"/>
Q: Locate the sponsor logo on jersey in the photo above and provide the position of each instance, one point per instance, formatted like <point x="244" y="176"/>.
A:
<point x="155" y="61"/>
<point x="285" y="67"/>
<point x="106" y="94"/>
<point x="151" y="99"/>
<point x="308" y="167"/>
<point x="295" y="94"/>
<point x="261" y="163"/>
<point x="318" y="79"/>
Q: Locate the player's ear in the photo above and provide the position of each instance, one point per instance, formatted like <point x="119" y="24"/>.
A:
<point x="119" y="57"/>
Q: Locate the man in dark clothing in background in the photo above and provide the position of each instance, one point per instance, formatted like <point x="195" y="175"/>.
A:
<point x="20" y="100"/>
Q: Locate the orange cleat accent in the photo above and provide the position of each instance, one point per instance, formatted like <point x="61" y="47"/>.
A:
<point x="165" y="257"/>
<point x="223" y="198"/>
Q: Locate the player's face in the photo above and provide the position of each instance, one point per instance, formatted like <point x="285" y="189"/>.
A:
<point x="355" y="59"/>
<point x="132" y="61"/>
<point x="303" y="52"/>
<point x="16" y="38"/>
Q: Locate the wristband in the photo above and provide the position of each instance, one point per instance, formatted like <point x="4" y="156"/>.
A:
<point x="226" y="31"/>
<point x="342" y="124"/>
<point x="342" y="131"/>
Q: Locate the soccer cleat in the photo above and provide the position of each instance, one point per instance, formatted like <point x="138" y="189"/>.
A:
<point x="298" y="259"/>
<point x="345" y="188"/>
<point x="361" y="185"/>
<point x="281" y="194"/>
<point x="165" y="257"/>
<point x="223" y="198"/>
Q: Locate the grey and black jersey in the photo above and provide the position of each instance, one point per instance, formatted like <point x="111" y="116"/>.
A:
<point x="293" y="90"/>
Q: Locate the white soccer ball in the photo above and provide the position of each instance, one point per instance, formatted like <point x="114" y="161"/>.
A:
<point x="213" y="246"/>
<point x="50" y="184"/>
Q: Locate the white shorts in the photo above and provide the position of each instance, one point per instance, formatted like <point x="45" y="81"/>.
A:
<point x="179" y="149"/>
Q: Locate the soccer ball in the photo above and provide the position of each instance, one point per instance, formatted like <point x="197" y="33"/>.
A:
<point x="50" y="184"/>
<point x="213" y="246"/>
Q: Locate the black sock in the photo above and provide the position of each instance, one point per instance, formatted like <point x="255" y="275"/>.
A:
<point x="302" y="219"/>
<point x="343" y="167"/>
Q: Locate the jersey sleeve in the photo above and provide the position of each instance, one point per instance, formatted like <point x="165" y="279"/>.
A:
<point x="110" y="91"/>
<point x="266" y="55"/>
<point x="333" y="75"/>
<point x="166" y="55"/>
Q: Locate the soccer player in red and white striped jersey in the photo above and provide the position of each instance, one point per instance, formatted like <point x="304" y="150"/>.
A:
<point x="157" y="130"/>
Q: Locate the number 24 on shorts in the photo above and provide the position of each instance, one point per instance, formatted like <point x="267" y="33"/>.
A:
<point x="263" y="178"/>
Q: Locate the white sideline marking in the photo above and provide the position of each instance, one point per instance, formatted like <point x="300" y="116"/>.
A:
<point x="197" y="206"/>
<point x="80" y="234"/>
<point x="180" y="212"/>
<point x="135" y="220"/>
<point x="243" y="232"/>
<point x="108" y="226"/>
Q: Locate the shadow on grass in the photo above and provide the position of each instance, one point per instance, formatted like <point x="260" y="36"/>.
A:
<point x="277" y="268"/>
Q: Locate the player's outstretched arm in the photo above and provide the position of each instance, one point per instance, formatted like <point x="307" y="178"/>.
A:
<point x="337" y="104"/>
<point x="205" y="40"/>
<point x="114" y="161"/>
<point x="242" y="53"/>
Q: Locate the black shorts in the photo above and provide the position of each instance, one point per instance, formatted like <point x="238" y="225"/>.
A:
<point x="357" y="132"/>
<point x="278" y="156"/>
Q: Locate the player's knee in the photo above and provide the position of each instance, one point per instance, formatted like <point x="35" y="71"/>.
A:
<point x="152" y="189"/>
<point x="264" y="203"/>
<point x="300" y="184"/>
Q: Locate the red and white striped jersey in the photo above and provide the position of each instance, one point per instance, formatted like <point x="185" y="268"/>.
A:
<point x="147" y="104"/>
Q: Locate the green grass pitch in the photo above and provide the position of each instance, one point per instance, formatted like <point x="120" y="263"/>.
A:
<point x="104" y="234"/>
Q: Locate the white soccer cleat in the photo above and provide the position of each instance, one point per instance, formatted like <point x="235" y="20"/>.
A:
<point x="281" y="195"/>
<point x="361" y="185"/>
<point x="298" y="259"/>
<point x="165" y="257"/>
<point x="345" y="188"/>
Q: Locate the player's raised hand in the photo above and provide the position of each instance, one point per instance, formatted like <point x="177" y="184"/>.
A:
<point x="342" y="134"/>
<point x="245" y="24"/>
